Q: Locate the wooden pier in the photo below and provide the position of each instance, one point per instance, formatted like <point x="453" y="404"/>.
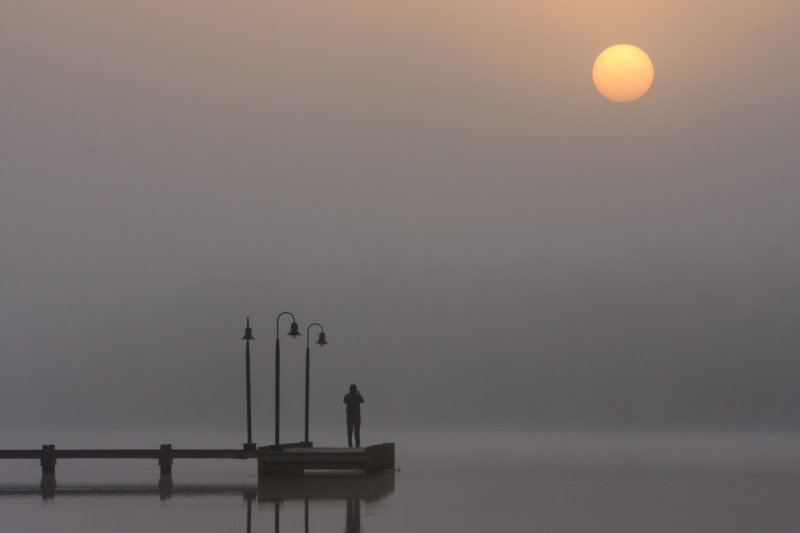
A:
<point x="280" y="461"/>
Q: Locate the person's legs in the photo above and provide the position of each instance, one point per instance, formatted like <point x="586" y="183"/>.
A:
<point x="357" y="427"/>
<point x="350" y="426"/>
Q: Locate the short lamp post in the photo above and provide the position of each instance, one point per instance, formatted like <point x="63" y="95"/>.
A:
<point x="294" y="332"/>
<point x="322" y="341"/>
<point x="248" y="336"/>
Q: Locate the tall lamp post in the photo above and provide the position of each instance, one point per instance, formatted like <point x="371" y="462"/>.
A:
<point x="322" y="341"/>
<point x="294" y="332"/>
<point x="248" y="336"/>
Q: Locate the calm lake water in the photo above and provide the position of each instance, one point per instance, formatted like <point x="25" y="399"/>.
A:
<point x="460" y="482"/>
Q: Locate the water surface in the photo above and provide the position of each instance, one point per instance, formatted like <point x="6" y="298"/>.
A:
<point x="527" y="482"/>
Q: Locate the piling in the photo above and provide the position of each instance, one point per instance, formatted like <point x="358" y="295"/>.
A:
<point x="165" y="460"/>
<point x="48" y="460"/>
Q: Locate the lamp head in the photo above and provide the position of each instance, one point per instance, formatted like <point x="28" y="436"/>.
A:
<point x="294" y="331"/>
<point x="322" y="341"/>
<point x="248" y="332"/>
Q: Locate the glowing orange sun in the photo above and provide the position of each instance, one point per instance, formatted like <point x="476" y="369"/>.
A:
<point x="623" y="73"/>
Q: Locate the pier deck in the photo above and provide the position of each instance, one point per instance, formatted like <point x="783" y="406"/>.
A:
<point x="272" y="461"/>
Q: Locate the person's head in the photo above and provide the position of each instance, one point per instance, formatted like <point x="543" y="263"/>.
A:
<point x="353" y="388"/>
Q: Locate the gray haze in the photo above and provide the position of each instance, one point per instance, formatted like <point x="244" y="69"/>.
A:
<point x="488" y="242"/>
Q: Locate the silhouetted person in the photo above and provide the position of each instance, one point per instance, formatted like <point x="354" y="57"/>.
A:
<point x="353" y="399"/>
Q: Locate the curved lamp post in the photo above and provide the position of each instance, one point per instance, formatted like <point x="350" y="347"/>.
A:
<point x="322" y="341"/>
<point x="294" y="332"/>
<point x="248" y="336"/>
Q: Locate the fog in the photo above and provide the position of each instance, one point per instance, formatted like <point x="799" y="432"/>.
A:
<point x="487" y="242"/>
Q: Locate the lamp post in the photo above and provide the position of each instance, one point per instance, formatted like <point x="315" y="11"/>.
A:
<point x="294" y="332"/>
<point x="248" y="336"/>
<point x="322" y="341"/>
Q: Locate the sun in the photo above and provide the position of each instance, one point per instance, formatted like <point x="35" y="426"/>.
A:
<point x="623" y="73"/>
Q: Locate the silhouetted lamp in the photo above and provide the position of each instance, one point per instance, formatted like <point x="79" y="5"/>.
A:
<point x="294" y="332"/>
<point x="248" y="332"/>
<point x="248" y="336"/>
<point x="322" y="341"/>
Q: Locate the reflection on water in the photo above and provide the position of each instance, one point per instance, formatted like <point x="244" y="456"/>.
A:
<point x="353" y="522"/>
<point x="349" y="489"/>
<point x="352" y="490"/>
<point x="465" y="483"/>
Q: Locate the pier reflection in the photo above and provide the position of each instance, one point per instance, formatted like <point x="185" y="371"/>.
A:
<point x="353" y="520"/>
<point x="352" y="491"/>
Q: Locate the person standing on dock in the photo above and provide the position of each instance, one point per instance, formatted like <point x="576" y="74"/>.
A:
<point x="353" y="399"/>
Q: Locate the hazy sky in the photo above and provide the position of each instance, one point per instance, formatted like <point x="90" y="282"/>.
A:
<point x="488" y="242"/>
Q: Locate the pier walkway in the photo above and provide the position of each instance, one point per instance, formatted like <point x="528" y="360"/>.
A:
<point x="286" y="460"/>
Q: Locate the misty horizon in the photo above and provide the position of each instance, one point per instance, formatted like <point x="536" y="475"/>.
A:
<point x="488" y="243"/>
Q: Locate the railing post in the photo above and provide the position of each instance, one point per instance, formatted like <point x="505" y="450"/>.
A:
<point x="165" y="459"/>
<point x="48" y="460"/>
